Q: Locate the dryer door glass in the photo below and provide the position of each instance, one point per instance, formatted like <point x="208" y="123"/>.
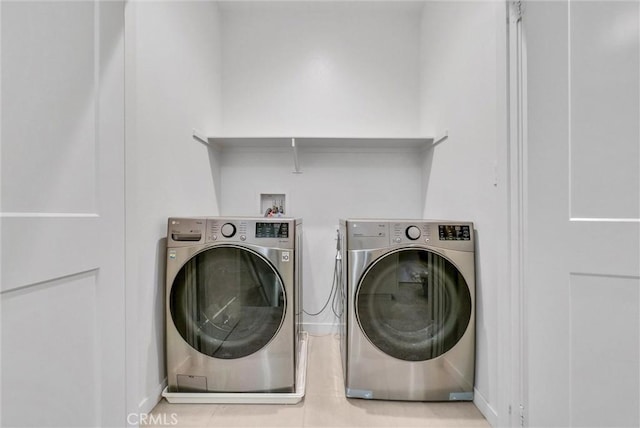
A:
<point x="227" y="302"/>
<point x="413" y="305"/>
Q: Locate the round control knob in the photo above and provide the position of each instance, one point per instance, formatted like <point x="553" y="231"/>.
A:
<point x="413" y="232"/>
<point x="228" y="230"/>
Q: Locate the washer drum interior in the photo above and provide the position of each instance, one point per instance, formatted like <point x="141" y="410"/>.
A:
<point x="413" y="304"/>
<point x="227" y="302"/>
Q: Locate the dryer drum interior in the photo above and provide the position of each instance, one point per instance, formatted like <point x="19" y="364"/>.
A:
<point x="413" y="304"/>
<point x="227" y="302"/>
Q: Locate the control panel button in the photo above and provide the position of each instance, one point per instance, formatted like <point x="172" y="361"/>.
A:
<point x="413" y="232"/>
<point x="228" y="230"/>
<point x="243" y="237"/>
<point x="398" y="240"/>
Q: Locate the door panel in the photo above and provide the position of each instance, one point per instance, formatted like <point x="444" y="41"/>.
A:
<point x="49" y="112"/>
<point x="604" y="109"/>
<point x="62" y="213"/>
<point x="582" y="240"/>
<point x="59" y="246"/>
<point x="605" y="345"/>
<point x="603" y="247"/>
<point x="49" y="346"/>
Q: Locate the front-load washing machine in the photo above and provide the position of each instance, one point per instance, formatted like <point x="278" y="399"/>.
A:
<point x="232" y="292"/>
<point x="408" y="321"/>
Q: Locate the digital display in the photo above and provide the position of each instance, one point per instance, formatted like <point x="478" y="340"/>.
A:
<point x="454" y="232"/>
<point x="272" y="230"/>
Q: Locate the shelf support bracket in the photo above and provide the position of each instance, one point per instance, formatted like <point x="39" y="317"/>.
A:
<point x="296" y="161"/>
<point x="441" y="138"/>
<point x="198" y="137"/>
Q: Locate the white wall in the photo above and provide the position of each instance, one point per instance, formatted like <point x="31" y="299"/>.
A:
<point x="462" y="63"/>
<point x="173" y="71"/>
<point x="322" y="69"/>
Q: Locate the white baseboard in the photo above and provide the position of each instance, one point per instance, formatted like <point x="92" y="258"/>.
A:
<point x="485" y="408"/>
<point x="148" y="403"/>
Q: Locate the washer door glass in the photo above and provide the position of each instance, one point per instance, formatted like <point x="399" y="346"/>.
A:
<point x="227" y="302"/>
<point x="413" y="305"/>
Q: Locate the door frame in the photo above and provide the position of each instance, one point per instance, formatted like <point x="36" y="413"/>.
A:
<point x="517" y="209"/>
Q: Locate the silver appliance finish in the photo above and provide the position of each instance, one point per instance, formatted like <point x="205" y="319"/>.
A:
<point x="232" y="286"/>
<point x="408" y="325"/>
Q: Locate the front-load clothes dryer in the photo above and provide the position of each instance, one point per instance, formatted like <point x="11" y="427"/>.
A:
<point x="410" y="307"/>
<point x="231" y="318"/>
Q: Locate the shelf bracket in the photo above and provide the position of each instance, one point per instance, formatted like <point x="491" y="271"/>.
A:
<point x="441" y="138"/>
<point x="198" y="137"/>
<point x="296" y="162"/>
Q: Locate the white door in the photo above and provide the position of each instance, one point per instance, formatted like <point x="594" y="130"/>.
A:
<point x="582" y="239"/>
<point x="62" y="234"/>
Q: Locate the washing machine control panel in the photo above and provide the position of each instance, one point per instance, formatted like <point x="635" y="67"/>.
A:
<point x="272" y="229"/>
<point x="454" y="232"/>
<point x="267" y="232"/>
<point x="411" y="233"/>
<point x="365" y="234"/>
<point x="228" y="230"/>
<point x="271" y="233"/>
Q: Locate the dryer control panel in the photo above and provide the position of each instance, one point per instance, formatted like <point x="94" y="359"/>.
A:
<point x="366" y="234"/>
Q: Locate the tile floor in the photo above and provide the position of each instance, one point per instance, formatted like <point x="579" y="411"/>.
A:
<point x="324" y="405"/>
